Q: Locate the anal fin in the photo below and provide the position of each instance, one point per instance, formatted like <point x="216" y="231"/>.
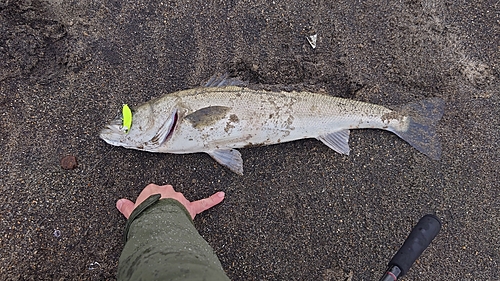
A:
<point x="338" y="141"/>
<point x="231" y="158"/>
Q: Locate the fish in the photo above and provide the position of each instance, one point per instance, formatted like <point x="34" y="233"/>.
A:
<point x="225" y="115"/>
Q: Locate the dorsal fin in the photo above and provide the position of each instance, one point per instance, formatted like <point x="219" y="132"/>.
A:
<point x="225" y="80"/>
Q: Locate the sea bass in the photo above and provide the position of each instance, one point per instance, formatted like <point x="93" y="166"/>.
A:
<point x="218" y="119"/>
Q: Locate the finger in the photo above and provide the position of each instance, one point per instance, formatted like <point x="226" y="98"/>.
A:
<point x="167" y="187"/>
<point x="125" y="207"/>
<point x="206" y="203"/>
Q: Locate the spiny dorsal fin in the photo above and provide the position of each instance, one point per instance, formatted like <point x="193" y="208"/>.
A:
<point x="225" y="80"/>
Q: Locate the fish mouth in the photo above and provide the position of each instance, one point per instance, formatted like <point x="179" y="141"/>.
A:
<point x="113" y="134"/>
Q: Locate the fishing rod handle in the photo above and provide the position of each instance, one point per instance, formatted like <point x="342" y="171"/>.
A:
<point x="419" y="239"/>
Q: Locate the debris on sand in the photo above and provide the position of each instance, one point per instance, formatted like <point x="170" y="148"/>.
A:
<point x="312" y="40"/>
<point x="68" y="162"/>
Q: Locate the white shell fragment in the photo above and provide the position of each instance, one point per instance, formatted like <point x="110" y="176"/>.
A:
<point x="94" y="265"/>
<point x="312" y="40"/>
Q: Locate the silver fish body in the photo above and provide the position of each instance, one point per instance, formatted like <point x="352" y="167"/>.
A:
<point x="217" y="120"/>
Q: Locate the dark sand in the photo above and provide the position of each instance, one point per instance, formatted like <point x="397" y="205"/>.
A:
<point x="301" y="211"/>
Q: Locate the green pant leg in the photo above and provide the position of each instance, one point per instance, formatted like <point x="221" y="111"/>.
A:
<point x="163" y="244"/>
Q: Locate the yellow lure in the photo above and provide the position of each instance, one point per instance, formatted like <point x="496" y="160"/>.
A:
<point x="126" y="117"/>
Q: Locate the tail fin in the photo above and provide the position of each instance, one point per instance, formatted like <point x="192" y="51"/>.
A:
<point x="421" y="133"/>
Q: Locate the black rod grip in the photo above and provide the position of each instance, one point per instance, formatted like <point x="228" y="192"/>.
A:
<point x="419" y="239"/>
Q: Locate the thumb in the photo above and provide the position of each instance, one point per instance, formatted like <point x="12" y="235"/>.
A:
<point x="125" y="207"/>
<point x="207" y="203"/>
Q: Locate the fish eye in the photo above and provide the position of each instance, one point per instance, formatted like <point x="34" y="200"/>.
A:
<point x="124" y="129"/>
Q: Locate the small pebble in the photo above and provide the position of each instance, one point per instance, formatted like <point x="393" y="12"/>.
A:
<point x="68" y="162"/>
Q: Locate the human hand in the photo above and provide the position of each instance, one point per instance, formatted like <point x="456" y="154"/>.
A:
<point x="126" y="206"/>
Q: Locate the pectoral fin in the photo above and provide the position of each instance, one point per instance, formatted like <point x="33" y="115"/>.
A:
<point x="207" y="116"/>
<point x="230" y="158"/>
<point x="338" y="141"/>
